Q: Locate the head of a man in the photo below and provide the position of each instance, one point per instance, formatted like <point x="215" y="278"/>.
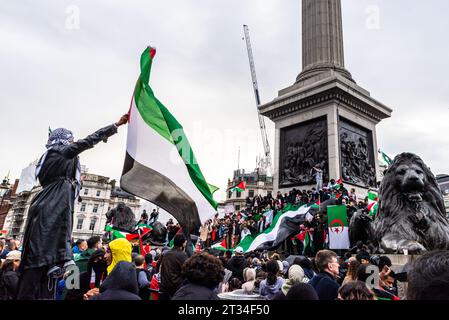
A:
<point x="428" y="277"/>
<point x="139" y="261"/>
<point x="238" y="251"/>
<point x="326" y="261"/>
<point x="95" y="243"/>
<point x="180" y="241"/>
<point x="363" y="257"/>
<point x="14" y="257"/>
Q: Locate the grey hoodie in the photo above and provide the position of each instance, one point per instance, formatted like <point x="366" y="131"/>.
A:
<point x="269" y="291"/>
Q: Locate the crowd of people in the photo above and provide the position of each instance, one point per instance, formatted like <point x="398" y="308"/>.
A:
<point x="117" y="271"/>
<point x="252" y="219"/>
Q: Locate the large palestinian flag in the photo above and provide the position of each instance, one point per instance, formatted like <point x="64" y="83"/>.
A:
<point x="160" y="165"/>
<point x="284" y="224"/>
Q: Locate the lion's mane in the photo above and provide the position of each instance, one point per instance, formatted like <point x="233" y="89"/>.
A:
<point x="424" y="222"/>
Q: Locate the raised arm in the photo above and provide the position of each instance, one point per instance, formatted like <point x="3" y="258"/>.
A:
<point x="103" y="134"/>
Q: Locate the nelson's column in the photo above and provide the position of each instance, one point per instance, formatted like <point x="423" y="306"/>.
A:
<point x="324" y="118"/>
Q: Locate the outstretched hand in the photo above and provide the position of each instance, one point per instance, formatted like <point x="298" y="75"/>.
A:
<point x="123" y="120"/>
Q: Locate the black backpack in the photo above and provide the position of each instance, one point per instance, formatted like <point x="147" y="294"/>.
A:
<point x="144" y="293"/>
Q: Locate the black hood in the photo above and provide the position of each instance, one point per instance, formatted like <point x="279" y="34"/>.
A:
<point x="237" y="261"/>
<point x="122" y="277"/>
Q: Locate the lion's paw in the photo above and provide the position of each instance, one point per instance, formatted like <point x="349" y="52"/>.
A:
<point x="413" y="247"/>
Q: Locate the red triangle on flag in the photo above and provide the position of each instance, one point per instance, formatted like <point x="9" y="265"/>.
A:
<point x="241" y="185"/>
<point x="339" y="181"/>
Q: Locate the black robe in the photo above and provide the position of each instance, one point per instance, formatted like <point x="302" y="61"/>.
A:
<point x="47" y="239"/>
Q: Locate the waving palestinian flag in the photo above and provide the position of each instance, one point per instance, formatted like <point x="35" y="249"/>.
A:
<point x="220" y="246"/>
<point x="284" y="224"/>
<point x="373" y="200"/>
<point x="127" y="234"/>
<point x="160" y="165"/>
<point x="383" y="159"/>
<point x="239" y="187"/>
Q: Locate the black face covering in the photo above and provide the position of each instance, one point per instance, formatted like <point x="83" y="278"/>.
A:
<point x="100" y="266"/>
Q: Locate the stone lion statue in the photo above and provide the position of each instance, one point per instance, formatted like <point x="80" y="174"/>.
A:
<point x="411" y="212"/>
<point x="122" y="217"/>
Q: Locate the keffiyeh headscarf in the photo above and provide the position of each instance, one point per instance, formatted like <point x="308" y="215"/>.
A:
<point x="57" y="137"/>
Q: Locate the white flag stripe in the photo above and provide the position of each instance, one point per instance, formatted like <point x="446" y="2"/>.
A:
<point x="150" y="149"/>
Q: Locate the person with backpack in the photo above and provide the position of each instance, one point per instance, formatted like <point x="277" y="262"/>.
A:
<point x="144" y="278"/>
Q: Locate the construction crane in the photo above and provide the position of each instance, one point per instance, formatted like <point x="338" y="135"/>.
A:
<point x="265" y="163"/>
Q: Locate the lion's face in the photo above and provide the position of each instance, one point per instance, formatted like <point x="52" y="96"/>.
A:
<point x="410" y="180"/>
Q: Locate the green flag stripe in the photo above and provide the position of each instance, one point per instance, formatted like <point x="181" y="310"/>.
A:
<point x="246" y="243"/>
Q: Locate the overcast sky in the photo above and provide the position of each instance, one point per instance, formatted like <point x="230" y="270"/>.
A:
<point x="60" y="72"/>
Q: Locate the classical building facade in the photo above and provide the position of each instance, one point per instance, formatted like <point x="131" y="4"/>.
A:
<point x="97" y="196"/>
<point x="256" y="183"/>
<point x="16" y="219"/>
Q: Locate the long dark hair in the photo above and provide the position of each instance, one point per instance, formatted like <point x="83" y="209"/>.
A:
<point x="272" y="270"/>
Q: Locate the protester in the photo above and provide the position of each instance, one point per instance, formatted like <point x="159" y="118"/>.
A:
<point x="203" y="273"/>
<point x="234" y="284"/>
<point x="428" y="278"/>
<point x="351" y="274"/>
<point x="364" y="272"/>
<point x="46" y="248"/>
<point x="237" y="264"/>
<point x="307" y="267"/>
<point x="363" y="257"/>
<point x="272" y="284"/>
<point x="153" y="217"/>
<point x="120" y="284"/>
<point x="302" y="291"/>
<point x="143" y="278"/>
<point x="9" y="278"/>
<point x="7" y="247"/>
<point x="249" y="275"/>
<point x="80" y="246"/>
<point x="355" y="290"/>
<point x="223" y="286"/>
<point x="149" y="264"/>
<point x="93" y="277"/>
<point x="171" y="268"/>
<point x="155" y="281"/>
<point x="324" y="282"/>
<point x="93" y="243"/>
<point x="118" y="250"/>
<point x="144" y="217"/>
<point x="295" y="275"/>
